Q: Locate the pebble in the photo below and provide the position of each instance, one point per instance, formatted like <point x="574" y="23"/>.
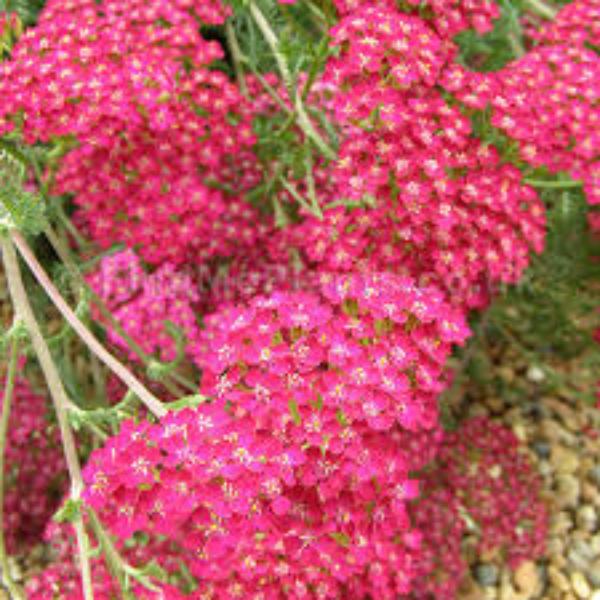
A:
<point x="580" y="554"/>
<point x="558" y="579"/>
<point x="528" y="580"/>
<point x="564" y="460"/>
<point x="545" y="469"/>
<point x="594" y="475"/>
<point x="554" y="432"/>
<point x="506" y="373"/>
<point x="495" y="404"/>
<point x="573" y="420"/>
<point x="541" y="448"/>
<point x="590" y="493"/>
<point x="580" y="585"/>
<point x="469" y="590"/>
<point x="560" y="523"/>
<point x="486" y="574"/>
<point x="535" y="374"/>
<point x="520" y="432"/>
<point x="587" y="518"/>
<point x="593" y="573"/>
<point x="555" y="546"/>
<point x="568" y="489"/>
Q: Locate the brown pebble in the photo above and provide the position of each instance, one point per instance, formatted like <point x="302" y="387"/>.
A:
<point x="564" y="460"/>
<point x="558" y="579"/>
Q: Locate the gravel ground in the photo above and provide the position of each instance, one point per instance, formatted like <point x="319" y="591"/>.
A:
<point x="562" y="437"/>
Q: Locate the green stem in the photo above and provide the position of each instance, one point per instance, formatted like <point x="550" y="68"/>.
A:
<point x="516" y="44"/>
<point x="65" y="256"/>
<point x="273" y="43"/>
<point x="77" y="283"/>
<point x="268" y="87"/>
<point x="184" y="382"/>
<point x="311" y="187"/>
<point x="59" y="397"/>
<point x="553" y="185"/>
<point x="542" y="9"/>
<point x="236" y="57"/>
<point x="303" y="120"/>
<point x="68" y="224"/>
<point x="119" y="369"/>
<point x="9" y="385"/>
<point x="118" y="566"/>
<point x="291" y="188"/>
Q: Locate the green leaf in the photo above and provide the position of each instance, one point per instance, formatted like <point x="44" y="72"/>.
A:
<point x="69" y="512"/>
<point x="341" y="418"/>
<point x="341" y="538"/>
<point x="293" y="406"/>
<point x="153" y="569"/>
<point x="187" y="402"/>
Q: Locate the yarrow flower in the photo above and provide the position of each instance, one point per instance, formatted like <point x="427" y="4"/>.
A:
<point x="295" y="480"/>
<point x="577" y="22"/>
<point x="34" y="476"/>
<point x="548" y="102"/>
<point x="447" y="17"/>
<point x="232" y="497"/>
<point x="142" y="302"/>
<point x="372" y="344"/>
<point x="154" y="131"/>
<point x="417" y="194"/>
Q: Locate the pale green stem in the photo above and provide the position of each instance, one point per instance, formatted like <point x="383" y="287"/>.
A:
<point x="542" y="9"/>
<point x="303" y="120"/>
<point x="268" y="88"/>
<point x="119" y="369"/>
<point x="64" y="255"/>
<point x="77" y="282"/>
<point x="118" y="565"/>
<point x="236" y="57"/>
<point x="59" y="397"/>
<point x="70" y="227"/>
<point x="553" y="185"/>
<point x="9" y="386"/>
<point x="291" y="188"/>
<point x="310" y="184"/>
<point x="516" y="44"/>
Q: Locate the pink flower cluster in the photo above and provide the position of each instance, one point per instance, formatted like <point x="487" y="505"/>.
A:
<point x="142" y="302"/>
<point x="158" y="135"/>
<point x="443" y="208"/>
<point x="447" y="17"/>
<point x="493" y="483"/>
<point x="295" y="481"/>
<point x="548" y="101"/>
<point x="34" y="474"/>
<point x="577" y="22"/>
<point x="233" y="498"/>
<point x="372" y="345"/>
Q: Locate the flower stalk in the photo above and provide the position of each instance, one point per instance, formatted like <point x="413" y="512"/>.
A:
<point x="9" y="386"/>
<point x="119" y="369"/>
<point x="58" y="394"/>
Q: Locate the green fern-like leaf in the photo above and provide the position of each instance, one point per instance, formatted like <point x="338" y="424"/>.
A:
<point x="19" y="208"/>
<point x="28" y="10"/>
